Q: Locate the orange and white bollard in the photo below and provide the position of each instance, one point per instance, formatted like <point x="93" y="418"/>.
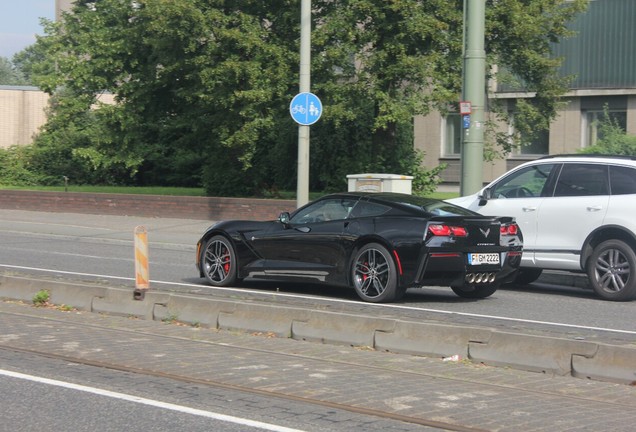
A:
<point x="142" y="278"/>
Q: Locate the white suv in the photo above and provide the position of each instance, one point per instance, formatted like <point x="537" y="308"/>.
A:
<point x="576" y="213"/>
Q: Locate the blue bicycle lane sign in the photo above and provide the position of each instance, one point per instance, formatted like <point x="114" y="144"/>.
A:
<point x="305" y="108"/>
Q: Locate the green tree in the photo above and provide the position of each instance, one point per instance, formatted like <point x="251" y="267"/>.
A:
<point x="195" y="84"/>
<point x="612" y="138"/>
<point x="203" y="87"/>
<point x="10" y="74"/>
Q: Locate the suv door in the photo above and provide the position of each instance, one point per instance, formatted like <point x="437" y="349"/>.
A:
<point x="521" y="195"/>
<point x="577" y="207"/>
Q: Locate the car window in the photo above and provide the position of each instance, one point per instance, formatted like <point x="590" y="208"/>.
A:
<point x="446" y="209"/>
<point x="582" y="180"/>
<point x="622" y="180"/>
<point x="527" y="182"/>
<point x="368" y="209"/>
<point x="324" y="210"/>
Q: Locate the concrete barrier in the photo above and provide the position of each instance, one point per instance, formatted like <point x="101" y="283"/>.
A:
<point x="77" y="295"/>
<point x="479" y="344"/>
<point x="259" y="318"/>
<point x="194" y="310"/>
<point x="340" y="328"/>
<point x="532" y="353"/>
<point x="430" y="339"/>
<point x="609" y="363"/>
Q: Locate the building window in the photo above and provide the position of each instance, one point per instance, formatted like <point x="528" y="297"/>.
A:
<point x="452" y="135"/>
<point x="539" y="145"/>
<point x="536" y="145"/>
<point x="591" y="120"/>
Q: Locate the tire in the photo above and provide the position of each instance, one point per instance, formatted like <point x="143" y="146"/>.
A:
<point x="218" y="261"/>
<point x="476" y="291"/>
<point x="374" y="274"/>
<point x="612" y="270"/>
<point x="526" y="276"/>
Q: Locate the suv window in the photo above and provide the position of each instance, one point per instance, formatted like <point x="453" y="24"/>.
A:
<point x="622" y="180"/>
<point x="582" y="180"/>
<point x="527" y="182"/>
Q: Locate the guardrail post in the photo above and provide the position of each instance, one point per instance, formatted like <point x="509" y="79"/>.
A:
<point x="142" y="279"/>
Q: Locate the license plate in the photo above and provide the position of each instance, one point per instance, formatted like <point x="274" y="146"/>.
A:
<point x="483" y="258"/>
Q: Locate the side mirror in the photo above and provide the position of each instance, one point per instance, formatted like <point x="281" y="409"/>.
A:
<point x="284" y="218"/>
<point x="485" y="196"/>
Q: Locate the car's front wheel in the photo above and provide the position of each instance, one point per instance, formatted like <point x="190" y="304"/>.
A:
<point x="476" y="291"/>
<point x="218" y="261"/>
<point x="612" y="270"/>
<point x="374" y="274"/>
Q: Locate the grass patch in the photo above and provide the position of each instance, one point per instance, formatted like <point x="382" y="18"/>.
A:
<point x="41" y="298"/>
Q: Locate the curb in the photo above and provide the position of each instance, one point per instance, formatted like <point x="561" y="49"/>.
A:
<point x="549" y="355"/>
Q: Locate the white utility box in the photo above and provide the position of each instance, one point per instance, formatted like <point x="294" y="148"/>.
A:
<point x="380" y="183"/>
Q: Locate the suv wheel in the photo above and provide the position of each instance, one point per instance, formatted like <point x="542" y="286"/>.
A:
<point x="612" y="270"/>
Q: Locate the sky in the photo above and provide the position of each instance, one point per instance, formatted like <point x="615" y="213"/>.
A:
<point x="20" y="22"/>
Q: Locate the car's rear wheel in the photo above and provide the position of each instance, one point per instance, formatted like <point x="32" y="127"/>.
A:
<point x="526" y="276"/>
<point x="476" y="291"/>
<point x="374" y="274"/>
<point x="218" y="261"/>
<point x="612" y="270"/>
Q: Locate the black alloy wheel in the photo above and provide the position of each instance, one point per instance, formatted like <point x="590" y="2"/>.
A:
<point x="219" y="261"/>
<point x="374" y="274"/>
<point x="611" y="270"/>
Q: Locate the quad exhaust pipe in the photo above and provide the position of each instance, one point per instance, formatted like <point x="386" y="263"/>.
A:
<point x="481" y="277"/>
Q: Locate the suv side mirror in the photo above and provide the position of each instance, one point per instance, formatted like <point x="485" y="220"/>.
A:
<point x="485" y="196"/>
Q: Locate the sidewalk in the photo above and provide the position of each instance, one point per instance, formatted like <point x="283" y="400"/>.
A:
<point x="442" y="392"/>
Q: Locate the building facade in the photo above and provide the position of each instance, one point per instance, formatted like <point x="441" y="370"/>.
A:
<point x="602" y="59"/>
<point x="22" y="110"/>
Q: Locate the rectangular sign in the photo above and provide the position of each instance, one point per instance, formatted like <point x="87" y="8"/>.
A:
<point x="465" y="107"/>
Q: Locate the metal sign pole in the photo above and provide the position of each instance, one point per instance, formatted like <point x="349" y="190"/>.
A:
<point x="302" y="186"/>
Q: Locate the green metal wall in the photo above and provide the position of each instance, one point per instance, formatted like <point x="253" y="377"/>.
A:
<point x="603" y="52"/>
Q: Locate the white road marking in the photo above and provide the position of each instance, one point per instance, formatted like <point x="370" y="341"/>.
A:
<point x="150" y="402"/>
<point x="333" y="300"/>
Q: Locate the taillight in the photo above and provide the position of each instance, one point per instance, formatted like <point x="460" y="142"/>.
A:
<point x="447" y="230"/>
<point x="509" y="229"/>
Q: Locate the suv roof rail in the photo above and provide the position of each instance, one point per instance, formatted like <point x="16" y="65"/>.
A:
<point x="591" y="155"/>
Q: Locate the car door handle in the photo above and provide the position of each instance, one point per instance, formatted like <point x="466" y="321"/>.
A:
<point x="594" y="208"/>
<point x="528" y="209"/>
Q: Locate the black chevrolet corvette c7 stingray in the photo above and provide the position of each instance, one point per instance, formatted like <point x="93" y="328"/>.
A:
<point x="378" y="243"/>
